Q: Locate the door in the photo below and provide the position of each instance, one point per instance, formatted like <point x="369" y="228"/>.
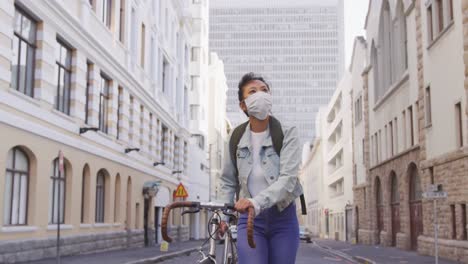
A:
<point x="395" y="207"/>
<point x="349" y="224"/>
<point x="380" y="208"/>
<point x="157" y="224"/>
<point x="416" y="223"/>
<point x="395" y="222"/>
<point x="415" y="204"/>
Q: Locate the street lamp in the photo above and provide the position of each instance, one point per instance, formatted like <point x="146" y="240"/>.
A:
<point x="158" y="163"/>
<point x="127" y="150"/>
<point x="86" y="129"/>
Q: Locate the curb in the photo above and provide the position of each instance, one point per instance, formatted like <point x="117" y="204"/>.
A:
<point x="161" y="258"/>
<point x="364" y="260"/>
<point x="337" y="253"/>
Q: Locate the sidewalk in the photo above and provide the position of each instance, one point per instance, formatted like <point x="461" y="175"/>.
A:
<point x="127" y="255"/>
<point x="377" y="254"/>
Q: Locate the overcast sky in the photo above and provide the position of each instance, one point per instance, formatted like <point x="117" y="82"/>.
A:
<point x="355" y="16"/>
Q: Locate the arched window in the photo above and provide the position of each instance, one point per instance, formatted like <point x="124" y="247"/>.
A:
<point x="394" y="191"/>
<point x="100" y="196"/>
<point x="384" y="52"/>
<point x="57" y="191"/>
<point x="16" y="188"/>
<point x="85" y="192"/>
<point x="415" y="184"/>
<point x="402" y="48"/>
<point x="117" y="200"/>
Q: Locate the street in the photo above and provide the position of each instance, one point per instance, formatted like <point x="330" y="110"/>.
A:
<point x="308" y="253"/>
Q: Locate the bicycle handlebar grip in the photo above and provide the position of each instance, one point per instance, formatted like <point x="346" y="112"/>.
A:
<point x="250" y="227"/>
<point x="165" y="217"/>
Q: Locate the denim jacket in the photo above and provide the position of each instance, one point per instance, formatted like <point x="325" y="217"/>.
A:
<point x="281" y="172"/>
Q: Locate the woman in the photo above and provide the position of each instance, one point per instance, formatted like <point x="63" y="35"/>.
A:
<point x="267" y="181"/>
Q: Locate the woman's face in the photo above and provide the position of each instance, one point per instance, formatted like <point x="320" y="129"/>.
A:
<point x="251" y="88"/>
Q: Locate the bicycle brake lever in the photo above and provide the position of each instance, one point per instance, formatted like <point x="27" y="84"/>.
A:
<point x="191" y="211"/>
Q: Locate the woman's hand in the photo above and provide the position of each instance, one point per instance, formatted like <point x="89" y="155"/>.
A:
<point x="243" y="205"/>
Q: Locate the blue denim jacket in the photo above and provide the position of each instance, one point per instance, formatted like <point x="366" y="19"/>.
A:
<point x="281" y="172"/>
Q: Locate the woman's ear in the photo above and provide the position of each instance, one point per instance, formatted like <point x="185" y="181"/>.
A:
<point x="243" y="106"/>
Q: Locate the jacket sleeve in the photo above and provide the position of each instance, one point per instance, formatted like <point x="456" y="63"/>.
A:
<point x="227" y="182"/>
<point x="290" y="160"/>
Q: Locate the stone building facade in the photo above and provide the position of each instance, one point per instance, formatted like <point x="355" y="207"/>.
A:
<point x="414" y="101"/>
<point x="120" y="71"/>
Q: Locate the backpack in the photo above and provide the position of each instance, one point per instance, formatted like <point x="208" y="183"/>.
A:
<point x="277" y="137"/>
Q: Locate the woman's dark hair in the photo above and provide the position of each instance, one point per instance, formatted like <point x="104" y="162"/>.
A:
<point x="248" y="77"/>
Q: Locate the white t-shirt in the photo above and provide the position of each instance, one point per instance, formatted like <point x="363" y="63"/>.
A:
<point x="256" y="181"/>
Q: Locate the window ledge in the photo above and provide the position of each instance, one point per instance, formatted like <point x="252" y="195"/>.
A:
<point x="392" y="89"/>
<point x="103" y="225"/>
<point x="441" y="35"/>
<point x="25" y="97"/>
<point x="86" y="225"/>
<point x="17" y="229"/>
<point x="62" y="227"/>
<point x="63" y="115"/>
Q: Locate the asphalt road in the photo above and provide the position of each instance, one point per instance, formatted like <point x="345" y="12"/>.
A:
<point x="308" y="253"/>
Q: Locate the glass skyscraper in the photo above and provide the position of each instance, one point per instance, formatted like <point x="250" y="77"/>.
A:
<point x="297" y="45"/>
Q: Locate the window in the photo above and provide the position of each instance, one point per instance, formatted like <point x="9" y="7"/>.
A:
<point x="106" y="12"/>
<point x="395" y="134"/>
<point x="85" y="194"/>
<point x="411" y="125"/>
<point x="150" y="137"/>
<point x="464" y="224"/>
<point x="194" y="112"/>
<point x="23" y="57"/>
<point x="431" y="174"/>
<point x="440" y="15"/>
<point x="122" y="21"/>
<point x="142" y="124"/>
<point x="63" y="77"/>
<point x="358" y="110"/>
<point x="165" y="135"/>
<point x="450" y="10"/>
<point x="404" y="136"/>
<point x="164" y="75"/>
<point x="459" y="124"/>
<point x="119" y="111"/>
<point x="392" y="142"/>
<point x="196" y="53"/>
<point x="143" y="45"/>
<point x="104" y="104"/>
<point x="430" y="30"/>
<point x="89" y="70"/>
<point x="454" y="221"/>
<point x="428" y="106"/>
<point x="132" y="118"/>
<point x="57" y="191"/>
<point x="100" y="198"/>
<point x="16" y="188"/>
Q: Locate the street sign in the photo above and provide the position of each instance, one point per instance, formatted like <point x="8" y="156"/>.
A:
<point x="181" y="192"/>
<point x="435" y="195"/>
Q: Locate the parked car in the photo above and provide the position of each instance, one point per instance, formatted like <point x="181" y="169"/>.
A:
<point x="304" y="234"/>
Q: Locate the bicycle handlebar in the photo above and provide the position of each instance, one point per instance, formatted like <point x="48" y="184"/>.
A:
<point x="211" y="206"/>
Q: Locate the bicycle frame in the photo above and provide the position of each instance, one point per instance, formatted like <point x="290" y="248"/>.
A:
<point x="195" y="207"/>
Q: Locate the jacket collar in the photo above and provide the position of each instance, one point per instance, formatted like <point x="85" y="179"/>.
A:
<point x="245" y="139"/>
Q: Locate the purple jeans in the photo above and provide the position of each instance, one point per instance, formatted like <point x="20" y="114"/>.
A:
<point x="276" y="236"/>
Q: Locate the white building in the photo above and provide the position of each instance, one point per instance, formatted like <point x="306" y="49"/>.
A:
<point x="329" y="183"/>
<point x="120" y="67"/>
<point x="218" y="126"/>
<point x="198" y="102"/>
<point x="297" y="45"/>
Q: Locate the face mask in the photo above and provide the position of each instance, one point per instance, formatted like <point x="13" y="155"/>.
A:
<point x="259" y="105"/>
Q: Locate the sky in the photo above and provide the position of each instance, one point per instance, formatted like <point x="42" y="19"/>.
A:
<point x="355" y="16"/>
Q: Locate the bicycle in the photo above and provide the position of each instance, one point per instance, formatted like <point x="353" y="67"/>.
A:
<point x="229" y="252"/>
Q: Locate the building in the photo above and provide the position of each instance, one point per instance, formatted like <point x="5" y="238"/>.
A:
<point x="198" y="124"/>
<point x="298" y="46"/>
<point x="329" y="182"/>
<point x="106" y="83"/>
<point x="219" y="126"/>
<point x="415" y="130"/>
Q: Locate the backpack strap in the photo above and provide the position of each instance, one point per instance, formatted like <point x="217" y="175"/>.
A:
<point x="233" y="142"/>
<point x="277" y="136"/>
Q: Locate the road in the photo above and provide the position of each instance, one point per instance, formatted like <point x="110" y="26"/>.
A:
<point x="308" y="253"/>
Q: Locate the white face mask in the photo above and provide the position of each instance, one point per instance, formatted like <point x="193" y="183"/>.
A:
<point x="259" y="105"/>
